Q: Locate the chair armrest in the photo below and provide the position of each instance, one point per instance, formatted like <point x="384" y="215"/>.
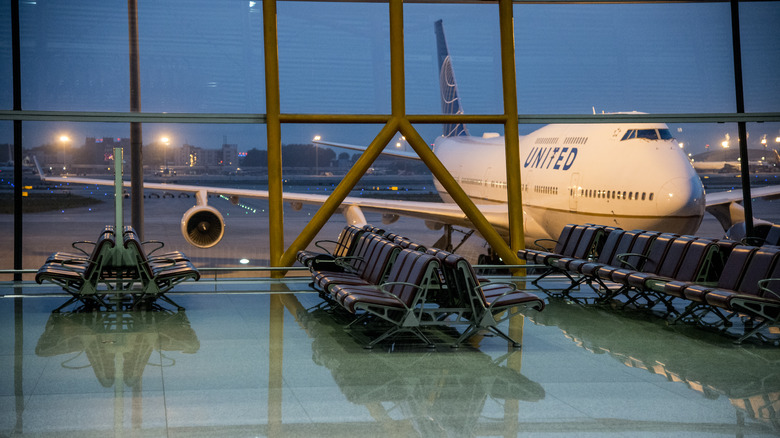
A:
<point x="513" y="288"/>
<point x="343" y="262"/>
<point x="327" y="251"/>
<point x="762" y="285"/>
<point x="540" y="246"/>
<point x="83" y="242"/>
<point x="159" y="244"/>
<point x="622" y="257"/>
<point x="394" y="296"/>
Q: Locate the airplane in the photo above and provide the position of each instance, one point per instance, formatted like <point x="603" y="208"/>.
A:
<point x="629" y="175"/>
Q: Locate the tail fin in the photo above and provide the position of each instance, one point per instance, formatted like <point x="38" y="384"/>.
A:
<point x="450" y="100"/>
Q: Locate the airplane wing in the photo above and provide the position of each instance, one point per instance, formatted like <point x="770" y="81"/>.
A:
<point x="726" y="208"/>
<point x="729" y="196"/>
<point x="437" y="213"/>
<point x="390" y="152"/>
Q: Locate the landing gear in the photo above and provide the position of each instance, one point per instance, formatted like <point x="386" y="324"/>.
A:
<point x="445" y="241"/>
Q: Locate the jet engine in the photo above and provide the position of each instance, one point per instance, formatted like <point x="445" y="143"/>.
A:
<point x="202" y="225"/>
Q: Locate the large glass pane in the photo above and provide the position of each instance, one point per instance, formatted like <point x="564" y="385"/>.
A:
<point x="74" y="56"/>
<point x="334" y="57"/>
<point x="6" y="199"/>
<point x="654" y="58"/>
<point x="760" y="37"/>
<point x="472" y="35"/>
<point x="6" y="64"/>
<point x="201" y="56"/>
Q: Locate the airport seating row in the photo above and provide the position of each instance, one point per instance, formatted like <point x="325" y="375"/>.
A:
<point x="80" y="273"/>
<point x="386" y="279"/>
<point x="110" y="275"/>
<point x="646" y="269"/>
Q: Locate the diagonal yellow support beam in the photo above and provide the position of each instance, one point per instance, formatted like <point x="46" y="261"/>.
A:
<point x="458" y="195"/>
<point x="398" y="121"/>
<point x="341" y="191"/>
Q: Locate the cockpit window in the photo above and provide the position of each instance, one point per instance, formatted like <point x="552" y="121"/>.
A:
<point x="648" y="134"/>
<point x="665" y="134"/>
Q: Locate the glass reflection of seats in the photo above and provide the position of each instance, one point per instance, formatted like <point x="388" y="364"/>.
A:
<point x="436" y="392"/>
<point x="112" y="339"/>
<point x="750" y="380"/>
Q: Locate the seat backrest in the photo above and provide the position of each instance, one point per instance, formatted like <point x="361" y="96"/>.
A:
<point x="759" y="267"/>
<point x="654" y="255"/>
<point x="610" y="245"/>
<point x="414" y="267"/>
<point x="774" y="284"/>
<point x="347" y="240"/>
<point x="133" y="244"/>
<point x="379" y="256"/>
<point x="573" y="241"/>
<point x="640" y="245"/>
<point x="698" y="259"/>
<point x="359" y="254"/>
<point x="586" y="246"/>
<point x="563" y="238"/>
<point x="105" y="242"/>
<point x="623" y="246"/>
<point x="673" y="258"/>
<point x="773" y="236"/>
<point x="735" y="266"/>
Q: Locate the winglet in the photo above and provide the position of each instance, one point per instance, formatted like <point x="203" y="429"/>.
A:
<point x="450" y="100"/>
<point x="38" y="166"/>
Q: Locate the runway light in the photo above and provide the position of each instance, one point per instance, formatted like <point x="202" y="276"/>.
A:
<point x="244" y="261"/>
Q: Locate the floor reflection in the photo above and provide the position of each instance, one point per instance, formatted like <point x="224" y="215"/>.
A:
<point x="276" y="364"/>
<point x="748" y="376"/>
<point x="439" y="393"/>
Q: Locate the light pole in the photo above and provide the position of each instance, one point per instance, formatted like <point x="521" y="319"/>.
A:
<point x="65" y="140"/>
<point x="165" y="141"/>
<point x="317" y="155"/>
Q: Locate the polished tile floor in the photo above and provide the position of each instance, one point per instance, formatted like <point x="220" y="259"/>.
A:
<point x="240" y="361"/>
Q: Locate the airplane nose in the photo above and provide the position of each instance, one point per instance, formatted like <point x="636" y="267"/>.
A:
<point x="682" y="197"/>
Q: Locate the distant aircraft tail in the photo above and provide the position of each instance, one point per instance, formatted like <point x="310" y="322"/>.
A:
<point x="450" y="100"/>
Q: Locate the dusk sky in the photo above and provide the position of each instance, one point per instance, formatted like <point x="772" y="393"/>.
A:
<point x="205" y="56"/>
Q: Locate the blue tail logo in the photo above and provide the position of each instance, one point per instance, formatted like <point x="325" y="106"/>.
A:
<point x="450" y="100"/>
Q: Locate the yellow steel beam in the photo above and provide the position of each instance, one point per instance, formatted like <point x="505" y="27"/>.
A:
<point x="397" y="66"/>
<point x="511" y="133"/>
<point x="399" y="121"/>
<point x="274" y="135"/>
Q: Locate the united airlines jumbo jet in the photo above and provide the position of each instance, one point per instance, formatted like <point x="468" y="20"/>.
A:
<point x="633" y="176"/>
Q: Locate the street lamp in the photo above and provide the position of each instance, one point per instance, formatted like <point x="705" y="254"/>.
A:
<point x="165" y="141"/>
<point x="317" y="155"/>
<point x="65" y="140"/>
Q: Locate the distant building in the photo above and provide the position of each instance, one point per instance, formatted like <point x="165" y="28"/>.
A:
<point x="99" y="150"/>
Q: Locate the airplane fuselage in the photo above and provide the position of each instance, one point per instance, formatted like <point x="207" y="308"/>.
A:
<point x="633" y="176"/>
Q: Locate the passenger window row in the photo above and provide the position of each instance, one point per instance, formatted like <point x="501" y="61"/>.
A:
<point x="575" y="140"/>
<point x="546" y="140"/>
<point x="611" y="194"/>
<point x="546" y="190"/>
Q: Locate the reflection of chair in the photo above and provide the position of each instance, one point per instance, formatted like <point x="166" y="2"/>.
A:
<point x="748" y="377"/>
<point x="105" y="336"/>
<point x="436" y="394"/>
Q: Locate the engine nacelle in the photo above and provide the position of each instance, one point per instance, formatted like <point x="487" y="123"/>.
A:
<point x="202" y="226"/>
